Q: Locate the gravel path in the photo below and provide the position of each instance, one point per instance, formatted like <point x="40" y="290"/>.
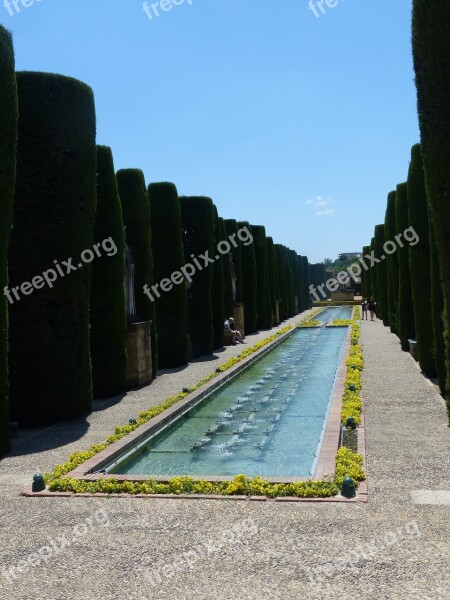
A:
<point x="189" y="549"/>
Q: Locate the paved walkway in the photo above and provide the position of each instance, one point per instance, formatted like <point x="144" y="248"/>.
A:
<point x="309" y="550"/>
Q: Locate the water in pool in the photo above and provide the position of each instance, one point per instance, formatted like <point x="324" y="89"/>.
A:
<point x="268" y="421"/>
<point x="331" y="313"/>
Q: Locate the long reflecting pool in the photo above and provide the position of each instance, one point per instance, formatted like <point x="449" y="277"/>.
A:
<point x="269" y="421"/>
<point x="332" y="313"/>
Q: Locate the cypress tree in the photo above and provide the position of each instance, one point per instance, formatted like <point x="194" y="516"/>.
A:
<point x="136" y="218"/>
<point x="168" y="259"/>
<point x="259" y="237"/>
<point x="281" y="262"/>
<point x="218" y="289"/>
<point x="231" y="229"/>
<point x="272" y="278"/>
<point x="382" y="278"/>
<point x="437" y="308"/>
<point x="8" y="143"/>
<point x="228" y="282"/>
<point x="108" y="320"/>
<point x="431" y="52"/>
<point x="390" y="231"/>
<point x="307" y="282"/>
<point x="420" y="263"/>
<point x="295" y="280"/>
<point x="367" y="274"/>
<point x="289" y="283"/>
<point x="373" y="273"/>
<point x="249" y="283"/>
<point x="197" y="219"/>
<point x="405" y="304"/>
<point x="53" y="216"/>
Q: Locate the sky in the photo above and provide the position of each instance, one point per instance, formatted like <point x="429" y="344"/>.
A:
<point x="285" y="116"/>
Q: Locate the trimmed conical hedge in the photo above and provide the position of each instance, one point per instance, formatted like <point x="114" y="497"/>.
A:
<point x="272" y="278"/>
<point x="249" y="283"/>
<point x="306" y="282"/>
<point x="54" y="213"/>
<point x="108" y="320"/>
<point x="366" y="275"/>
<point x="197" y="219"/>
<point x="168" y="259"/>
<point x="8" y="142"/>
<point x="231" y="229"/>
<point x="437" y="308"/>
<point x="281" y="269"/>
<point x="420" y="261"/>
<point x="431" y="51"/>
<point x="259" y="237"/>
<point x="382" y="277"/>
<point x="218" y="289"/>
<point x="228" y="300"/>
<point x="373" y="273"/>
<point x="390" y="231"/>
<point x="405" y="304"/>
<point x="136" y="218"/>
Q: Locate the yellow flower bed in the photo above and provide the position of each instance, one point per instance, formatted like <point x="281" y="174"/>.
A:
<point x="351" y="400"/>
<point x="309" y="320"/>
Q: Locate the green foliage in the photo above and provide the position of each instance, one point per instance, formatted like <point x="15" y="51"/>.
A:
<point x="108" y="320"/>
<point x="437" y="308"/>
<point x="218" y="288"/>
<point x="431" y="52"/>
<point x="420" y="263"/>
<point x="282" y="290"/>
<point x="405" y="304"/>
<point x="390" y="231"/>
<point x="228" y="300"/>
<point x="197" y="218"/>
<point x="249" y="284"/>
<point x="136" y="218"/>
<point x="382" y="277"/>
<point x="262" y="290"/>
<point x="272" y="276"/>
<point x="8" y="142"/>
<point x="366" y="276"/>
<point x="54" y="213"/>
<point x="168" y="258"/>
<point x="231" y="229"/>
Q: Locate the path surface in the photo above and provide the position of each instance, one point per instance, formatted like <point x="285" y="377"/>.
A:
<point x="408" y="557"/>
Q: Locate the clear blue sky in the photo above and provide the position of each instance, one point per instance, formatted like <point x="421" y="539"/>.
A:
<point x="298" y="123"/>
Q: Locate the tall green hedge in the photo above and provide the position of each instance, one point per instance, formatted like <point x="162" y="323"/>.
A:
<point x="431" y="51"/>
<point x="306" y="282"/>
<point x="231" y="229"/>
<point x="281" y="265"/>
<point x="373" y="274"/>
<point x="8" y="142"/>
<point x="420" y="262"/>
<point x="289" y="283"/>
<point x="168" y="258"/>
<point x="218" y="288"/>
<point x="405" y="303"/>
<point x="249" y="284"/>
<point x="367" y="290"/>
<point x="272" y="278"/>
<point x="108" y="320"/>
<point x="228" y="300"/>
<point x="259" y="237"/>
<point x="53" y="216"/>
<point x="382" y="278"/>
<point x="390" y="231"/>
<point x="197" y="219"/>
<point x="136" y="218"/>
<point x="437" y="308"/>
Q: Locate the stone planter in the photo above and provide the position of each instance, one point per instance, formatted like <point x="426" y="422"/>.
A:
<point x="139" y="350"/>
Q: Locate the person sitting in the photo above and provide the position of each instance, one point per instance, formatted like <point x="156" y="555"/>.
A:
<point x="230" y="330"/>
